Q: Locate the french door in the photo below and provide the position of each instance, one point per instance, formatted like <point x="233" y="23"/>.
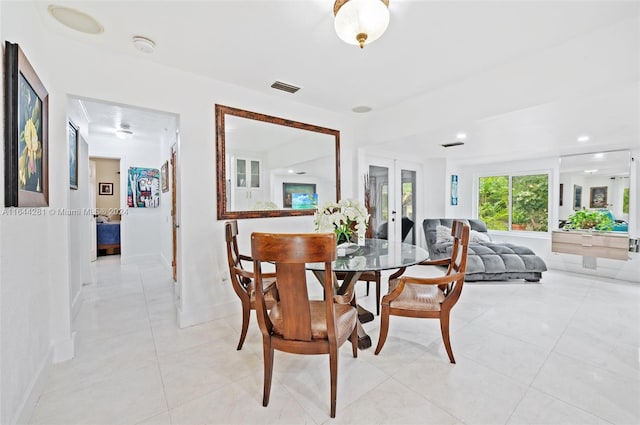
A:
<point x="393" y="194"/>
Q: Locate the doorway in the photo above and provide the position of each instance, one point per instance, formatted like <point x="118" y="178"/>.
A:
<point x="393" y="186"/>
<point x="107" y="208"/>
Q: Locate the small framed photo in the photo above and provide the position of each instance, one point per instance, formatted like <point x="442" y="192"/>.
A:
<point x="164" y="177"/>
<point x="105" y="188"/>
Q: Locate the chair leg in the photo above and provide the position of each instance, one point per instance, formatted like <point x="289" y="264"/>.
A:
<point x="333" y="369"/>
<point x="444" y="328"/>
<point x="246" y="313"/>
<point x="377" y="293"/>
<point x="384" y="329"/>
<point x="367" y="288"/>
<point x="354" y="340"/>
<point x="268" y="369"/>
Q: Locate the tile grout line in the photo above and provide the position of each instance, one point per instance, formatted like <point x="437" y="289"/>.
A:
<point x="155" y="347"/>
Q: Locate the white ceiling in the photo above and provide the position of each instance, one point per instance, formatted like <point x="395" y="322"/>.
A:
<point x="519" y="77"/>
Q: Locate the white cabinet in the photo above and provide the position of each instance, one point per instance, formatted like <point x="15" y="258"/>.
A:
<point x="591" y="244"/>
<point x="247" y="184"/>
<point x="247" y="173"/>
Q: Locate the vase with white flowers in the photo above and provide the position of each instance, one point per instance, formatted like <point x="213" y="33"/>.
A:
<point x="347" y="218"/>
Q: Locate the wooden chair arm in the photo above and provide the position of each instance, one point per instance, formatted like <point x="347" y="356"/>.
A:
<point x="245" y="257"/>
<point x="440" y="262"/>
<point x="441" y="280"/>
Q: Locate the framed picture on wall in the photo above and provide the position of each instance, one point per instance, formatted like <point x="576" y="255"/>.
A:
<point x="598" y="198"/>
<point x="72" y="134"/>
<point x="105" y="188"/>
<point x="164" y="177"/>
<point x="26" y="139"/>
<point x="577" y="197"/>
<point x="454" y="189"/>
<point x="288" y="189"/>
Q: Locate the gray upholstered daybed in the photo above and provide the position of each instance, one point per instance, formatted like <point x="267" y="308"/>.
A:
<point x="487" y="260"/>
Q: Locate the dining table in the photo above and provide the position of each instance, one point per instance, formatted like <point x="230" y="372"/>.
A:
<point x="375" y="255"/>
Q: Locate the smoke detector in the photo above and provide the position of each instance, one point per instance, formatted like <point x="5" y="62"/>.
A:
<point x="144" y="44"/>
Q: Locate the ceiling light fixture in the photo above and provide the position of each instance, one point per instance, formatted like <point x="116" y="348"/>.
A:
<point x="591" y="171"/>
<point x="461" y="136"/>
<point x="144" y="44"/>
<point x="583" y="139"/>
<point x="124" y="132"/>
<point x="75" y="19"/>
<point x="360" y="21"/>
<point x="361" y="109"/>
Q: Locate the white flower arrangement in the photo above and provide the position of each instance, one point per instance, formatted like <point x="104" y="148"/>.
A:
<point x="344" y="218"/>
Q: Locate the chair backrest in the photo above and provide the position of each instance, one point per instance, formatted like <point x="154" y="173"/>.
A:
<point x="290" y="252"/>
<point x="460" y="234"/>
<point x="233" y="257"/>
<point x="430" y="226"/>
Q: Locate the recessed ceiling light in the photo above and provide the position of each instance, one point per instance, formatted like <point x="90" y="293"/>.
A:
<point x="461" y="136"/>
<point x="144" y="44"/>
<point x="290" y="171"/>
<point x="583" y="139"/>
<point x="598" y="155"/>
<point x="361" y="109"/>
<point x="591" y="171"/>
<point x="75" y="19"/>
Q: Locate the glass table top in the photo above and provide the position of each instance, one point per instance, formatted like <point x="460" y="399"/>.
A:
<point x="375" y="254"/>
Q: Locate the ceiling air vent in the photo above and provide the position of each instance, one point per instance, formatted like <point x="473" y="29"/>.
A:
<point x="285" y="87"/>
<point x="449" y="145"/>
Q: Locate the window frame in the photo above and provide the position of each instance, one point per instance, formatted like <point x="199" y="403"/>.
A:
<point x="510" y="175"/>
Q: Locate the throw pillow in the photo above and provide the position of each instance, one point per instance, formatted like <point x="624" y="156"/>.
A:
<point x="443" y="234"/>
<point x="477" y="237"/>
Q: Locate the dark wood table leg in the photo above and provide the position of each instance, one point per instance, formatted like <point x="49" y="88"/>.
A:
<point x="364" y="315"/>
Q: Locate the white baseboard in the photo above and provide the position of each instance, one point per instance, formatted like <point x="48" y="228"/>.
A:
<point x="64" y="349"/>
<point x="202" y="314"/>
<point x="35" y="389"/>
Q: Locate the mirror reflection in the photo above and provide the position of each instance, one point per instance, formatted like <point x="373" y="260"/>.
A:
<point x="271" y="167"/>
<point x="596" y="181"/>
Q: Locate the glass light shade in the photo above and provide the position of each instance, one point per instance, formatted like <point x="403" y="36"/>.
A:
<point x="370" y="17"/>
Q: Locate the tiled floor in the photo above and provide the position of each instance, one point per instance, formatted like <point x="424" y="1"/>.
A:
<point x="561" y="352"/>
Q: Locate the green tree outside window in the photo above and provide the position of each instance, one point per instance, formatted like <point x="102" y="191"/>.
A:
<point x="529" y="207"/>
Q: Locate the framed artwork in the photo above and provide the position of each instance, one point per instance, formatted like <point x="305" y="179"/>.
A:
<point x="577" y="197"/>
<point x="143" y="189"/>
<point x="598" y="198"/>
<point x="164" y="177"/>
<point x="72" y="134"/>
<point x="454" y="189"/>
<point x="561" y="193"/>
<point x="288" y="189"/>
<point x="105" y="188"/>
<point x="26" y="141"/>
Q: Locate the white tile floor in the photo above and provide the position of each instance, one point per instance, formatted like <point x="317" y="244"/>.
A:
<point x="565" y="351"/>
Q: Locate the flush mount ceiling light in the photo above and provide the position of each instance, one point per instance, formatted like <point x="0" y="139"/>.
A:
<point x="360" y="21"/>
<point x="583" y="139"/>
<point x="361" y="109"/>
<point x="124" y="132"/>
<point x="75" y="19"/>
<point x="144" y="44"/>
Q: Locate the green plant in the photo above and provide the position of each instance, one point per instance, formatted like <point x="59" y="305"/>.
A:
<point x="587" y="219"/>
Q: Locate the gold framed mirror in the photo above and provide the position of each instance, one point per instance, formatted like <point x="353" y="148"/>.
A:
<point x="273" y="167"/>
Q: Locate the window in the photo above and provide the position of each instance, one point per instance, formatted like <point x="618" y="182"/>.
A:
<point x="625" y="201"/>
<point x="514" y="202"/>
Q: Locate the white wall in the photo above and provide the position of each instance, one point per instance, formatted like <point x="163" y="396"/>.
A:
<point x="80" y="220"/>
<point x="35" y="297"/>
<point x="34" y="270"/>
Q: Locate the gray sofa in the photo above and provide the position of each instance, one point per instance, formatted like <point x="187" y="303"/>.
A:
<point x="487" y="260"/>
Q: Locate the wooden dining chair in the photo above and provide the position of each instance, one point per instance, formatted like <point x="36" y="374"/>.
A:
<point x="432" y="297"/>
<point x="243" y="281"/>
<point x="296" y="324"/>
